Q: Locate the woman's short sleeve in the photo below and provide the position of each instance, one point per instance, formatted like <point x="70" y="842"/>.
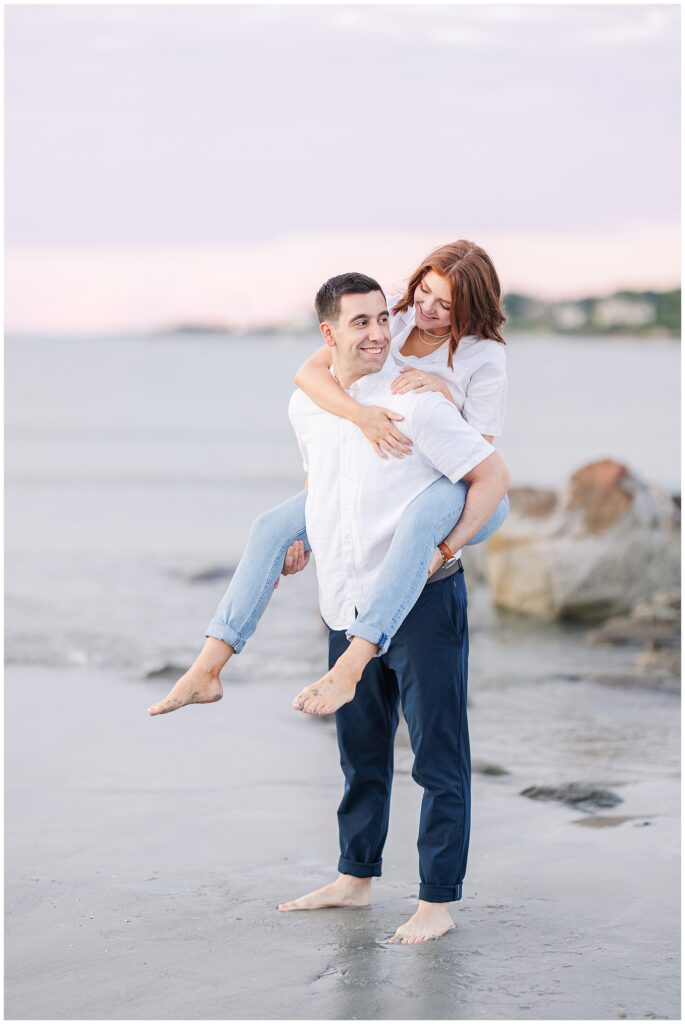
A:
<point x="486" y="393"/>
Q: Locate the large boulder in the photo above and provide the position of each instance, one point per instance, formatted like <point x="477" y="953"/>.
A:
<point x="604" y="543"/>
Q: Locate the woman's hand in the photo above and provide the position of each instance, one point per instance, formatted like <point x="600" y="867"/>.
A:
<point x="378" y="427"/>
<point x="411" y="379"/>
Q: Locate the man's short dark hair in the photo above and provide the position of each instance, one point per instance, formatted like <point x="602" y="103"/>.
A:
<point x="327" y="301"/>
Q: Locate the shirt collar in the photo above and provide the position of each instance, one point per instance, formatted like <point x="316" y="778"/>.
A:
<point x="370" y="381"/>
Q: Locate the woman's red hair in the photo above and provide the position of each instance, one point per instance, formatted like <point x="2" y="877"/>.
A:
<point x="474" y="287"/>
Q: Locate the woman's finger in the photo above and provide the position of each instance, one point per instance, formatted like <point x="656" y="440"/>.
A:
<point x="379" y="450"/>
<point x="392" y="415"/>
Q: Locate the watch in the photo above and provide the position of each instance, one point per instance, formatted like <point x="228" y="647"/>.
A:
<point x="448" y="559"/>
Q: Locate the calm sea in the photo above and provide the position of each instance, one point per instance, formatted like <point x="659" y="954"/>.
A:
<point x="134" y="462"/>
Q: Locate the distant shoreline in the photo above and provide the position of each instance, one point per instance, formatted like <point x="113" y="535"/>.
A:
<point x="644" y="314"/>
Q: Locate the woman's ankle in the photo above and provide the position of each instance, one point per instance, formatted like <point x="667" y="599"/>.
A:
<point x="358" y="654"/>
<point x="213" y="656"/>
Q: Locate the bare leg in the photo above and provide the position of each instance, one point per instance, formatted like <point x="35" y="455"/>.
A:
<point x="339" y="685"/>
<point x="346" y="891"/>
<point x="201" y="683"/>
<point x="431" y="921"/>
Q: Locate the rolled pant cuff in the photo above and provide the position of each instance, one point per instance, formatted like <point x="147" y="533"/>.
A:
<point x="381" y="640"/>
<point x="355" y="867"/>
<point x="221" y="631"/>
<point x="439" y="893"/>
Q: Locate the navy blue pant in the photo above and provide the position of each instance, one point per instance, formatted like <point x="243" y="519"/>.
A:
<point x="425" y="668"/>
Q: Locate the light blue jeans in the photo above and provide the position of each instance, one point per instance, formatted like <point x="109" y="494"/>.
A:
<point x="424" y="525"/>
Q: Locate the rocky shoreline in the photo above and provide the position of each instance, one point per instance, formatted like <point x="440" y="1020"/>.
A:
<point x="604" y="550"/>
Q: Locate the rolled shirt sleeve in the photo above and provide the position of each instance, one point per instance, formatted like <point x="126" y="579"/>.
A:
<point x="444" y="437"/>
<point x="486" y="395"/>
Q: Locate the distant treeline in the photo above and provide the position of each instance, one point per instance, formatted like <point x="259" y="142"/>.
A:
<point x="650" y="313"/>
<point x="654" y="314"/>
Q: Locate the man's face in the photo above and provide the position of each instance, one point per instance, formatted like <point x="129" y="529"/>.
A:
<point x="360" y="336"/>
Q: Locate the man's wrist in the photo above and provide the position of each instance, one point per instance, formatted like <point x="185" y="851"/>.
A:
<point x="448" y="558"/>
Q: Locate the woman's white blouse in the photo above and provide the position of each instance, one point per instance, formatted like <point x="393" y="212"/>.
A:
<point x="478" y="381"/>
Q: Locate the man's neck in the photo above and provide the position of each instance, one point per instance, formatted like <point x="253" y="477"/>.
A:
<point x="345" y="380"/>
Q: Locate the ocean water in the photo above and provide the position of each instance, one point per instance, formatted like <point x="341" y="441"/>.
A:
<point x="134" y="462"/>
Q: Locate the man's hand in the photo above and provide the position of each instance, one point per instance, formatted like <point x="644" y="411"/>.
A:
<point x="296" y="559"/>
<point x="436" y="562"/>
<point x="378" y="426"/>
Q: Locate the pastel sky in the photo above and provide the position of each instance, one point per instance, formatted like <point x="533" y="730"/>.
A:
<point x="218" y="162"/>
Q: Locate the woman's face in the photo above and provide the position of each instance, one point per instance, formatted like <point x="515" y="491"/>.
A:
<point x="432" y="303"/>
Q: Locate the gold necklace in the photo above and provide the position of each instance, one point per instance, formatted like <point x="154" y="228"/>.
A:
<point x="433" y="344"/>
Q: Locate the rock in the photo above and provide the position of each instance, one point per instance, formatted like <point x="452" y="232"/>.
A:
<point x="604" y="820"/>
<point x="660" y="661"/>
<point x="167" y="669"/>
<point x="602" y="545"/>
<point x="532" y="501"/>
<point x="214" y="572"/>
<point x="654" y="624"/>
<point x="574" y="793"/>
<point x="485" y="768"/>
<point x="634" y="679"/>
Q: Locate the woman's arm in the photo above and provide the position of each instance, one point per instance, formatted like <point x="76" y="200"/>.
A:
<point x="314" y="378"/>
<point x="413" y="379"/>
<point x="377" y="424"/>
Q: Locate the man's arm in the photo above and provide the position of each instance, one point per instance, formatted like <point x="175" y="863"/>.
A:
<point x="460" y="453"/>
<point x="488" y="482"/>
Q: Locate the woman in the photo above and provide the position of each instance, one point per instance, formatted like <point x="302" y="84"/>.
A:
<point x="445" y="337"/>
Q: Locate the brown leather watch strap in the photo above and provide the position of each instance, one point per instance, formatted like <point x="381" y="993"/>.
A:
<point x="446" y="553"/>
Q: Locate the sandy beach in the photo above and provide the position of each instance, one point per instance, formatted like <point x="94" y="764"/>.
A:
<point x="145" y="859"/>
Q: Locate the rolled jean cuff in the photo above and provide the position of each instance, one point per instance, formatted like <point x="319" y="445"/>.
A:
<point x="354" y="867"/>
<point x="381" y="640"/>
<point x="221" y="631"/>
<point x="439" y="893"/>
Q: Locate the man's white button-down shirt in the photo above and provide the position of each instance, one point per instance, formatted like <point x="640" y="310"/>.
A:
<point x="356" y="499"/>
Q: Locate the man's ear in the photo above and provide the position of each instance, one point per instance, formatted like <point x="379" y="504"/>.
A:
<point x="327" y="334"/>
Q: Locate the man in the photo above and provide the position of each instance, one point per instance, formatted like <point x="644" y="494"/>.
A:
<point x="354" y="503"/>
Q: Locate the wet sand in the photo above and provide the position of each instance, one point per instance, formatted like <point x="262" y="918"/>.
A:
<point x="145" y="858"/>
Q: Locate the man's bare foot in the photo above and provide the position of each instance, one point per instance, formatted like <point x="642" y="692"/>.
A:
<point x="339" y="685"/>
<point x="197" y="686"/>
<point x="346" y="891"/>
<point x="430" y="921"/>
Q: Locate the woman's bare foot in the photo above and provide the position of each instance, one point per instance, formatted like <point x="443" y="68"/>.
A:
<point x="336" y="688"/>
<point x="346" y="891"/>
<point x="430" y="921"/>
<point x="339" y="685"/>
<point x="201" y="683"/>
